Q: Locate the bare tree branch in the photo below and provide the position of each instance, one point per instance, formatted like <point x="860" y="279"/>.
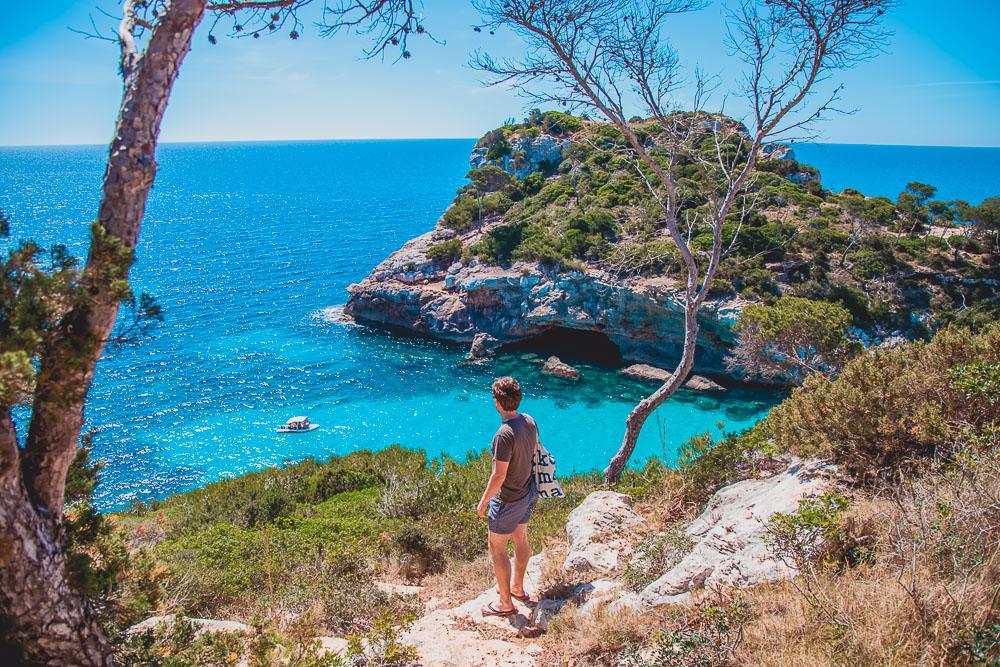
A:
<point x="580" y="54"/>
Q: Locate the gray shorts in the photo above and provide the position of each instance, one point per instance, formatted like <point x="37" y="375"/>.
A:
<point x="503" y="518"/>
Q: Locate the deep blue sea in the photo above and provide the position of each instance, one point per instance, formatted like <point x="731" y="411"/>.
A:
<point x="972" y="174"/>
<point x="248" y="247"/>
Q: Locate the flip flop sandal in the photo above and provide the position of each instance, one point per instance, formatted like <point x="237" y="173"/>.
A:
<point x="490" y="610"/>
<point x="520" y="598"/>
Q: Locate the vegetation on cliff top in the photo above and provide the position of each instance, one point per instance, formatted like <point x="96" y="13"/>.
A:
<point x="910" y="265"/>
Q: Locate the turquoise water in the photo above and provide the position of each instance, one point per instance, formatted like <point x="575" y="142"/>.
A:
<point x="247" y="247"/>
<point x="972" y="174"/>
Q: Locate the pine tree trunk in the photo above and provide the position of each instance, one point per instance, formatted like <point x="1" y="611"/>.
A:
<point x="53" y="622"/>
<point x="641" y="412"/>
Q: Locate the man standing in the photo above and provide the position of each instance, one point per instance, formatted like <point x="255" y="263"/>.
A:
<point x="510" y="496"/>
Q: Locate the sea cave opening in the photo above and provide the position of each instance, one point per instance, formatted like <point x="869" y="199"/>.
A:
<point x="592" y="347"/>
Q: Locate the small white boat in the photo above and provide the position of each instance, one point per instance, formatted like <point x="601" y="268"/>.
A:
<point x="297" y="425"/>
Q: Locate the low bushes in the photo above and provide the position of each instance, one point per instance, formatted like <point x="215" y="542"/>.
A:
<point x="313" y="538"/>
<point x="889" y="406"/>
<point x="446" y="251"/>
<point x="655" y="556"/>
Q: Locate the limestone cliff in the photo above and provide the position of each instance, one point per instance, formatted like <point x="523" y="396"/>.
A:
<point x="453" y="300"/>
<point x="556" y="234"/>
<point x="456" y="301"/>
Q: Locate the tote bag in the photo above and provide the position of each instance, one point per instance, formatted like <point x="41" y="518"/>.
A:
<point x="544" y="469"/>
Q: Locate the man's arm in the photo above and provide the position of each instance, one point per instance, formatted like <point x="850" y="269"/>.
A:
<point x="497" y="477"/>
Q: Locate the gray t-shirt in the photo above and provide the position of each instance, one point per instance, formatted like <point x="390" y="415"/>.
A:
<point x="514" y="443"/>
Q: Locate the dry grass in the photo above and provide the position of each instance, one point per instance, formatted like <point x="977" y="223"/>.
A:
<point x="928" y="595"/>
<point x="460" y="581"/>
<point x="787" y="630"/>
<point x="582" y="639"/>
<point x="912" y="578"/>
<point x="554" y="582"/>
<point x="669" y="502"/>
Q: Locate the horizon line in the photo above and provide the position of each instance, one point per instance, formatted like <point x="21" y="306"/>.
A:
<point x="359" y="139"/>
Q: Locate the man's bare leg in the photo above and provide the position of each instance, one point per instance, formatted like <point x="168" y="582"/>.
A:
<point x="501" y="568"/>
<point x="522" y="552"/>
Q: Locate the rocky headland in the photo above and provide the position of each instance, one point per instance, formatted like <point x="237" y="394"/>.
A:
<point x="554" y="239"/>
<point x="457" y="302"/>
<point x="487" y="305"/>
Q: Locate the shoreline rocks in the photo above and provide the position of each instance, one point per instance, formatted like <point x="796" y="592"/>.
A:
<point x="654" y="374"/>
<point x="462" y="300"/>
<point x="701" y="383"/>
<point x="483" y="346"/>
<point x="556" y="366"/>
<point x="642" y="317"/>
<point x="646" y="372"/>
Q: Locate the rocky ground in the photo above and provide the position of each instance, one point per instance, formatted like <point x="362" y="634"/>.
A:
<point x="725" y="548"/>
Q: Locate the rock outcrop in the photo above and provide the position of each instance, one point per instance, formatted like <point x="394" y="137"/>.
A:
<point x="600" y="532"/>
<point x="659" y="375"/>
<point x="460" y="636"/>
<point x="455" y="301"/>
<point x="527" y="155"/>
<point x="201" y="625"/>
<point x="646" y="372"/>
<point x="702" y="383"/>
<point x="643" y="317"/>
<point x="483" y="346"/>
<point x="729" y="536"/>
<point x="556" y="366"/>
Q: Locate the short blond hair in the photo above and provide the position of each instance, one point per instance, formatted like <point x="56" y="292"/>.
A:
<point x="507" y="393"/>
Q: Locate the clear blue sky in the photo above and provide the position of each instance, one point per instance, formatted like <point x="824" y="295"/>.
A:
<point x="939" y="84"/>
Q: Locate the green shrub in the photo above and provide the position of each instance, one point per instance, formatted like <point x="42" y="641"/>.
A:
<point x="532" y="184"/>
<point x="707" y="464"/>
<point x="409" y="496"/>
<point x="445" y="251"/>
<point x="801" y="538"/>
<point x="461" y="214"/>
<point x="179" y="644"/>
<point x="867" y="264"/>
<point x="792" y="338"/>
<point x="489" y="179"/>
<point x="978" y="381"/>
<point x="709" y="640"/>
<point x="556" y="123"/>
<point x="888" y="407"/>
<point x="499" y="243"/>
<point x="382" y="645"/>
<point x="756" y="284"/>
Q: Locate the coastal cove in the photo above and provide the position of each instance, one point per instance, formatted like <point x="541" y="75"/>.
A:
<point x="255" y="245"/>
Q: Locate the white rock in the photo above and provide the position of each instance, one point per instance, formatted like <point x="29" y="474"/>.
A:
<point x="598" y="532"/>
<point x="483" y="345"/>
<point x="700" y="383"/>
<point x="729" y="536"/>
<point x="591" y="594"/>
<point x="201" y="624"/>
<point x="397" y="589"/>
<point x="334" y="645"/>
<point x="462" y="637"/>
<point x="555" y="366"/>
<point x="646" y="372"/>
